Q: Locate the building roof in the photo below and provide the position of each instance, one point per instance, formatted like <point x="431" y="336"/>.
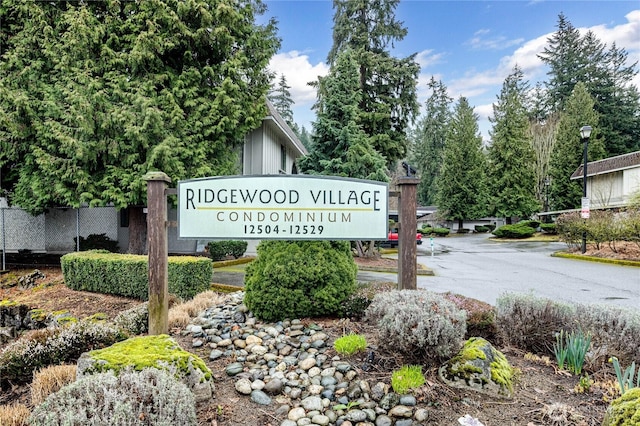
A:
<point x="609" y="165"/>
<point x="274" y="115"/>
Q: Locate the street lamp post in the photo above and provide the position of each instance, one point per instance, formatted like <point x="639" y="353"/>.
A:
<point x="585" y="133"/>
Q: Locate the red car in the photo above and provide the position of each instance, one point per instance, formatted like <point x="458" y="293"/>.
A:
<point x="392" y="238"/>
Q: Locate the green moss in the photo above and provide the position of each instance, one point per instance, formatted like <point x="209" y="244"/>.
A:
<point x="67" y="320"/>
<point x="624" y="411"/>
<point x="148" y="351"/>
<point x="97" y="317"/>
<point x="471" y="350"/>
<point x="38" y="314"/>
<point x="501" y="371"/>
<point x="60" y="312"/>
<point x="7" y="303"/>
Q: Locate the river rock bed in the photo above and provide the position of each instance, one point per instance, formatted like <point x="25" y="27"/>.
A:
<point x="292" y="367"/>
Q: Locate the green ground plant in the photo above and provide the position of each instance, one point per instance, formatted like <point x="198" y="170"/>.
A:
<point x="406" y="378"/>
<point x="350" y="344"/>
<point x="570" y="350"/>
<point x="625" y="379"/>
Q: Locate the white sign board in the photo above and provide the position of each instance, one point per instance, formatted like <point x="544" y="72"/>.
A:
<point x="586" y="208"/>
<point x="288" y="207"/>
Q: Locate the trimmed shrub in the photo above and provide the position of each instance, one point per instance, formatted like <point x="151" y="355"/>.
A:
<point x="97" y="242"/>
<point x="463" y="231"/>
<point x="148" y="397"/>
<point x="418" y="323"/>
<point x="219" y="250"/>
<point x="491" y="226"/>
<point x="535" y="224"/>
<point x="52" y="346"/>
<point x="481" y="229"/>
<point x="127" y="275"/>
<point x="425" y="230"/>
<point x="531" y="323"/>
<point x="548" y="228"/>
<point x="294" y="279"/>
<point x="441" y="232"/>
<point x="516" y="231"/>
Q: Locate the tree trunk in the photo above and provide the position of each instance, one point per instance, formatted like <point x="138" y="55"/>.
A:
<point x="137" y="231"/>
<point x="366" y="248"/>
<point x="460" y="224"/>
<point x="508" y="221"/>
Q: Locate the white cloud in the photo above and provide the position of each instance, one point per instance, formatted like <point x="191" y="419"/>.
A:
<point x="298" y="71"/>
<point x="427" y="58"/>
<point x="482" y="41"/>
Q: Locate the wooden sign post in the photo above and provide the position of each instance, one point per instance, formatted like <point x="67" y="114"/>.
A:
<point x="407" y="251"/>
<point x="158" y="252"/>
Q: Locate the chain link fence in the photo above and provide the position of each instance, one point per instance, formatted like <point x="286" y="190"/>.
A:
<point x="56" y="231"/>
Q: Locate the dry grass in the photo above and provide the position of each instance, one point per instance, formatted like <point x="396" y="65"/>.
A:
<point x="181" y="314"/>
<point x="49" y="380"/>
<point x="14" y="415"/>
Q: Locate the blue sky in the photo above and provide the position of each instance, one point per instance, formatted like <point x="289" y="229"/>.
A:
<point x="470" y="45"/>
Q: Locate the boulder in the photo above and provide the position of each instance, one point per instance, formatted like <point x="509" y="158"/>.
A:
<point x="161" y="352"/>
<point x="480" y="367"/>
<point x="624" y="411"/>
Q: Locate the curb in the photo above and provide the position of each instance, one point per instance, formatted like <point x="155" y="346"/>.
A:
<point x="419" y="271"/>
<point x="232" y="262"/>
<point x="620" y="262"/>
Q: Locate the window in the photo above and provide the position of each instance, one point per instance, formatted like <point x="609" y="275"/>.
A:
<point x="283" y="158"/>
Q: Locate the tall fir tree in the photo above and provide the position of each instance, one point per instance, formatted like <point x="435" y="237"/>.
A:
<point x="462" y="191"/>
<point x="428" y="140"/>
<point x="305" y="138"/>
<point x="340" y="147"/>
<point x="96" y="94"/>
<point x="388" y="103"/>
<point x="608" y="77"/>
<point x="511" y="174"/>
<point x="280" y="97"/>
<point x="567" y="153"/>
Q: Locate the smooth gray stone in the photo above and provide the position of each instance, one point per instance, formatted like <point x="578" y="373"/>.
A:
<point x="260" y="397"/>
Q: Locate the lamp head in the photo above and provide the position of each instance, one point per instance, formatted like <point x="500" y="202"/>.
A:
<point x="585" y="132"/>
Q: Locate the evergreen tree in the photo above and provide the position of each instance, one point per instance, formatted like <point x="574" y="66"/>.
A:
<point x="305" y="138"/>
<point x="281" y="99"/>
<point x="462" y="192"/>
<point x="95" y="94"/>
<point x="388" y="102"/>
<point x="340" y="147"/>
<point x="428" y="140"/>
<point x="607" y="77"/>
<point x="511" y="157"/>
<point x="567" y="153"/>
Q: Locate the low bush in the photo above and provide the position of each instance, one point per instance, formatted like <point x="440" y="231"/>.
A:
<point x="52" y="346"/>
<point x="295" y="279"/>
<point x="481" y="229"/>
<point x="219" y="250"/>
<point x="149" y="397"/>
<point x="548" y="228"/>
<point x="127" y="275"/>
<point x="570" y="227"/>
<point x="441" y="232"/>
<point x="531" y="323"/>
<point x="134" y="320"/>
<point x="516" y="231"/>
<point x="463" y="231"/>
<point x="481" y="316"/>
<point x="418" y="323"/>
<point x="356" y="304"/>
<point x="425" y="230"/>
<point x="491" y="226"/>
<point x="96" y="242"/>
<point x="624" y="411"/>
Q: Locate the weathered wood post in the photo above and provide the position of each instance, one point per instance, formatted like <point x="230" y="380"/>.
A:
<point x="158" y="252"/>
<point x="407" y="260"/>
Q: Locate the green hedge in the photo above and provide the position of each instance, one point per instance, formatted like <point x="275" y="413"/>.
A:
<point x="516" y="231"/>
<point x="441" y="232"/>
<point x="548" y="228"/>
<point x="481" y="229"/>
<point x="127" y="274"/>
<point x="218" y="250"/>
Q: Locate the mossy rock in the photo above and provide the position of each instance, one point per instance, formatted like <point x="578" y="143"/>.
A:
<point x="480" y="367"/>
<point x="624" y="411"/>
<point x="161" y="352"/>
